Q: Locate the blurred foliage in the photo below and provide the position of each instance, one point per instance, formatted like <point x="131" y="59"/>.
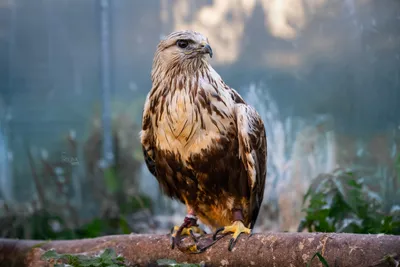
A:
<point x="76" y="197"/>
<point x="43" y="224"/>
<point x="107" y="259"/>
<point x="341" y="202"/>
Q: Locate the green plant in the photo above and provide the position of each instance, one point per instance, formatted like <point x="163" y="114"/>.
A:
<point x="107" y="259"/>
<point x="76" y="198"/>
<point x="321" y="259"/>
<point x="341" y="202"/>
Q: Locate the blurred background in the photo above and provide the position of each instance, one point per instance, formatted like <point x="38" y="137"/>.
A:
<point x="323" y="74"/>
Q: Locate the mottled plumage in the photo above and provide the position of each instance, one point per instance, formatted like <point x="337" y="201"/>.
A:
<point x="203" y="143"/>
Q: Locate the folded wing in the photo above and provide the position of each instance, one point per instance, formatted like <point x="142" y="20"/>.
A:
<point x="253" y="153"/>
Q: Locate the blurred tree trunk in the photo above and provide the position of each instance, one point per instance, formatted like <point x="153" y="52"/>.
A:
<point x="272" y="249"/>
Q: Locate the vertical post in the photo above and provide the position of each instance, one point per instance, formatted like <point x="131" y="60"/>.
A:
<point x="6" y="178"/>
<point x="108" y="155"/>
<point x="49" y="27"/>
<point x="11" y="46"/>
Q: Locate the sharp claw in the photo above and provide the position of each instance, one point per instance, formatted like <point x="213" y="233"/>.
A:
<point x="251" y="233"/>
<point x="231" y="244"/>
<point x="172" y="238"/>
<point x="216" y="232"/>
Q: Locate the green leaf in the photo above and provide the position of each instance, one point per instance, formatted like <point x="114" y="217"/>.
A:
<point x="95" y="262"/>
<point x="69" y="258"/>
<point x="321" y="259"/>
<point x="108" y="253"/>
<point x="120" y="258"/>
<point x="86" y="263"/>
<point x="354" y="183"/>
<point x="50" y="254"/>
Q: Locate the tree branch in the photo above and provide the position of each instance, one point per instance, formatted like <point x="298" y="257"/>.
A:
<point x="270" y="249"/>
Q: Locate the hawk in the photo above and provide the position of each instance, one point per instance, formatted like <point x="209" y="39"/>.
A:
<point x="204" y="144"/>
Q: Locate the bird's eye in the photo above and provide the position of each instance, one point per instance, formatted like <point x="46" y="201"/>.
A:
<point x="182" y="43"/>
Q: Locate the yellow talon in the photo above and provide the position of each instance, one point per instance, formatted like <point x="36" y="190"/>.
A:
<point x="236" y="228"/>
<point x="186" y="231"/>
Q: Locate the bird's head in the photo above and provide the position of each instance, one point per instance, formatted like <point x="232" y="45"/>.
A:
<point x="182" y="47"/>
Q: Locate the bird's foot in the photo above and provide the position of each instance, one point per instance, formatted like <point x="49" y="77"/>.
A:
<point x="188" y="228"/>
<point x="236" y="228"/>
<point x="190" y="231"/>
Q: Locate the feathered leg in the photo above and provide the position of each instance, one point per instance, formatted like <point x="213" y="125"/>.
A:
<point x="237" y="228"/>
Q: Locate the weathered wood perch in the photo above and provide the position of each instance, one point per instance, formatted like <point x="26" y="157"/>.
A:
<point x="271" y="249"/>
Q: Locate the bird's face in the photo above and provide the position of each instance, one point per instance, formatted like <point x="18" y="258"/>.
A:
<point x="183" y="46"/>
<point x="190" y="48"/>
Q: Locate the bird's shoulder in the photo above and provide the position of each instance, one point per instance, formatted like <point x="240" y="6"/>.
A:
<point x="213" y="83"/>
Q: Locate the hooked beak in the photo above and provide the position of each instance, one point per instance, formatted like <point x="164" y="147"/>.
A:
<point x="206" y="49"/>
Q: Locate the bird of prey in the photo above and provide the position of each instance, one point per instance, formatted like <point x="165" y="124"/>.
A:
<point x="204" y="144"/>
